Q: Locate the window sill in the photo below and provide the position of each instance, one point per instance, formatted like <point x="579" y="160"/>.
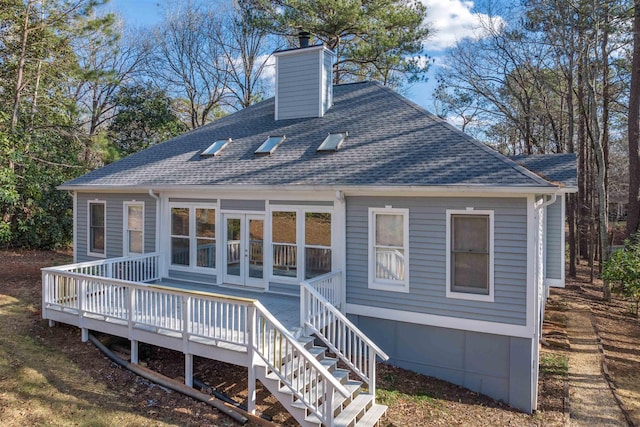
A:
<point x="390" y="287"/>
<point x="470" y="296"/>
<point x="96" y="254"/>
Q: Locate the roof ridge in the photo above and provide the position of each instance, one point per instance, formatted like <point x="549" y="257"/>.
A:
<point x="521" y="169"/>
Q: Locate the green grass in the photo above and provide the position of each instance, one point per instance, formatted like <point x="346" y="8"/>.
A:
<point x="554" y="364"/>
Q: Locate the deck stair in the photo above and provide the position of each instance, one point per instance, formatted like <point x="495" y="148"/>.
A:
<point x="357" y="409"/>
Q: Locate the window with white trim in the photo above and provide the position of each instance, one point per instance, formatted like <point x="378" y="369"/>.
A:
<point x="470" y="254"/>
<point x="96" y="224"/>
<point x="301" y="241"/>
<point x="193" y="236"/>
<point x="389" y="249"/>
<point x="133" y="228"/>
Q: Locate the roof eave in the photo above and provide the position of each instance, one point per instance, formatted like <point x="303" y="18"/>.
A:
<point x="347" y="189"/>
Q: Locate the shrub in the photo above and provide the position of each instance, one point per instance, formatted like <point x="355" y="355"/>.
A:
<point x="622" y="270"/>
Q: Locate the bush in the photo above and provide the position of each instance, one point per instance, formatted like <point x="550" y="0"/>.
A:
<point x="622" y="270"/>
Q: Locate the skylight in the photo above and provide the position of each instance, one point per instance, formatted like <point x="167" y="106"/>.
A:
<point x="270" y="145"/>
<point x="333" y="141"/>
<point x="215" y="148"/>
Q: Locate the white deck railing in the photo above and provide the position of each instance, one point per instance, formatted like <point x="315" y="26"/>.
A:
<point x="86" y="291"/>
<point x="341" y="336"/>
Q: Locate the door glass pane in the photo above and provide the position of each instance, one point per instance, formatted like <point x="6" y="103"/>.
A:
<point x="233" y="247"/>
<point x="389" y="230"/>
<point x="256" y="233"/>
<point x="179" y="251"/>
<point x="180" y="221"/>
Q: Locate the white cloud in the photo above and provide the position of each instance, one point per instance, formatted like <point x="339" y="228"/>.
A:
<point x="452" y="21"/>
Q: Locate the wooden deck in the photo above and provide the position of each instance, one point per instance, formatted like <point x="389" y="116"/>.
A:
<point x="285" y="308"/>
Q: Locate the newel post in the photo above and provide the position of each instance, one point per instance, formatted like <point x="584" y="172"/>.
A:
<point x="303" y="307"/>
<point x="251" y="356"/>
<point x="372" y="374"/>
<point x="82" y="301"/>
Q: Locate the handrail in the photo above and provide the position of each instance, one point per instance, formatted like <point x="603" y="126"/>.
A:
<point x="69" y="267"/>
<point x="342" y="337"/>
<point x="287" y="374"/>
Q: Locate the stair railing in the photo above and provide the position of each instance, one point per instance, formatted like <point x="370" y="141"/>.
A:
<point x="296" y="368"/>
<point x="339" y="334"/>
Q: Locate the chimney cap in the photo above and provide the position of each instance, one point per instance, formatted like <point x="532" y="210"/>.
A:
<point x="304" y="37"/>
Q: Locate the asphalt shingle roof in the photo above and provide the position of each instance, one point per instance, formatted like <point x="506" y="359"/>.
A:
<point x="553" y="167"/>
<point x="391" y="142"/>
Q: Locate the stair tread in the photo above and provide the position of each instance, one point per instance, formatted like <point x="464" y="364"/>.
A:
<point x="306" y="341"/>
<point x="348" y="414"/>
<point x="329" y="364"/>
<point x="372" y="416"/>
<point x="351" y="386"/>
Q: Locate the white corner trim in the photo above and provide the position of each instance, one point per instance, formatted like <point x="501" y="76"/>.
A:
<point x="471" y="325"/>
<point x="386" y="284"/>
<point x="467" y="295"/>
<point x="104" y="206"/>
<point x="75" y="226"/>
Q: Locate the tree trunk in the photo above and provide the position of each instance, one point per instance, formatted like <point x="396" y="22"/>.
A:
<point x="20" y="71"/>
<point x="633" y="216"/>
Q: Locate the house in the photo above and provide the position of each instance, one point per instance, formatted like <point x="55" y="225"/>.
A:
<point x="419" y="243"/>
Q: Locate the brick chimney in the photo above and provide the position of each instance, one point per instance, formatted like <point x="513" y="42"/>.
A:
<point x="304" y="80"/>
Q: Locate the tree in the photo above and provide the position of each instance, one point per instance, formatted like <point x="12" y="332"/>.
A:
<point x="187" y="61"/>
<point x="633" y="218"/>
<point x="143" y="117"/>
<point x="376" y="39"/>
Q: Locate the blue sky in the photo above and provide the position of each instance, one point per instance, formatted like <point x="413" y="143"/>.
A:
<point x="450" y="20"/>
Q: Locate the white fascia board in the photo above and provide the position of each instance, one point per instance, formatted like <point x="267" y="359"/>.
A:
<point x="459" y="323"/>
<point x="442" y="190"/>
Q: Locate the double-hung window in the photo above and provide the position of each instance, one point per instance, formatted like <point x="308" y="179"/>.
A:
<point x="133" y="228"/>
<point x="317" y="244"/>
<point x="96" y="224"/>
<point x="470" y="254"/>
<point x="389" y="249"/>
<point x="193" y="236"/>
<point x="285" y="243"/>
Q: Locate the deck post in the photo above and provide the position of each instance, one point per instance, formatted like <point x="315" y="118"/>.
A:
<point x="372" y="374"/>
<point x="188" y="369"/>
<point x="85" y="334"/>
<point x="251" y="335"/>
<point x="134" y="351"/>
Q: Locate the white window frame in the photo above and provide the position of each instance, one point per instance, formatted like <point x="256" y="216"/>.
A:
<point x="386" y="284"/>
<point x="193" y="239"/>
<point x="126" y="250"/>
<point x="104" y="207"/>
<point x="467" y="295"/>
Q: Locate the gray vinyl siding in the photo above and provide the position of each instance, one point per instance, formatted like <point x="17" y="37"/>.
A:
<point x="495" y="365"/>
<point x="555" y="228"/>
<point x="427" y="258"/>
<point x="190" y="276"/>
<point x="242" y="205"/>
<point x="299" y="87"/>
<point x="114" y="211"/>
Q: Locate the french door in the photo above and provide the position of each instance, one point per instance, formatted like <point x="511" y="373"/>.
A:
<point x="243" y="262"/>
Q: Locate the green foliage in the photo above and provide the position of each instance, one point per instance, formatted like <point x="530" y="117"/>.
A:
<point x="378" y="39"/>
<point x="144" y="117"/>
<point x="622" y="269"/>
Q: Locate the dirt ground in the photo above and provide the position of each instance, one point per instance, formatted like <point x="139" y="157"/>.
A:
<point x="413" y="399"/>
